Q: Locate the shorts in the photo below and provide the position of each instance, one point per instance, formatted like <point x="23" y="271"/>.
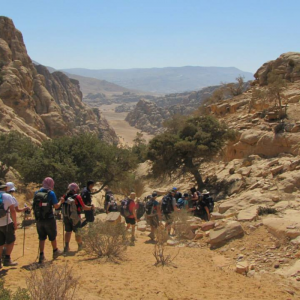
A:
<point x="153" y="221"/>
<point x="46" y="228"/>
<point x="69" y="227"/>
<point x="7" y="234"/>
<point x="130" y="221"/>
<point x="89" y="216"/>
<point x="168" y="218"/>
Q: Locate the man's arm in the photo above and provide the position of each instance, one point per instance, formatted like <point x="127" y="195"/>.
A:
<point x="85" y="207"/>
<point x="13" y="215"/>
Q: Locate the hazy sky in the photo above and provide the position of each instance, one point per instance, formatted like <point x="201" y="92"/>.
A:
<point x="119" y="34"/>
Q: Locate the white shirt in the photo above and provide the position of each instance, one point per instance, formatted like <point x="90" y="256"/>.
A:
<point x="8" y="201"/>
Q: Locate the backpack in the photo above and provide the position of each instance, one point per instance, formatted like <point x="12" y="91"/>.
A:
<point x="180" y="203"/>
<point x="125" y="212"/>
<point x="3" y="212"/>
<point x="199" y="195"/>
<point x="167" y="205"/>
<point x="150" y="208"/>
<point x="140" y="210"/>
<point x="86" y="197"/>
<point x="41" y="206"/>
<point x="210" y="203"/>
<point x="69" y="209"/>
<point x="109" y="197"/>
<point x="113" y="205"/>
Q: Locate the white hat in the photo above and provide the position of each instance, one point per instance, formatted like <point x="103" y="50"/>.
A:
<point x="10" y="187"/>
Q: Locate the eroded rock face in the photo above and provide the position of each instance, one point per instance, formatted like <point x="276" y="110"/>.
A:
<point x="287" y="64"/>
<point x="37" y="103"/>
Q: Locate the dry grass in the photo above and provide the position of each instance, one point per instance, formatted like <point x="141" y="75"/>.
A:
<point x="103" y="239"/>
<point x="181" y="225"/>
<point x="52" y="283"/>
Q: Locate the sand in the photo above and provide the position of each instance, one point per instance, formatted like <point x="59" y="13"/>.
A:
<point x="125" y="132"/>
<point x="199" y="273"/>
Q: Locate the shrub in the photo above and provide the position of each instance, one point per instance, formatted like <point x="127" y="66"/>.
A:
<point x="20" y="294"/>
<point x="181" y="225"/>
<point x="103" y="239"/>
<point x="266" y="211"/>
<point x="162" y="259"/>
<point x="52" y="282"/>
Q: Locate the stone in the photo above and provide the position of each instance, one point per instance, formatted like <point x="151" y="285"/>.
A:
<point x="233" y="229"/>
<point x="141" y="227"/>
<point x="198" y="235"/>
<point x="194" y="226"/>
<point x="276" y="170"/>
<point x="207" y="226"/>
<point x="216" y="216"/>
<point x="172" y="242"/>
<point x="242" y="267"/>
<point x="248" y="214"/>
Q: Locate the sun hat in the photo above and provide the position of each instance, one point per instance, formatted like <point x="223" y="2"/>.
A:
<point x="205" y="192"/>
<point x="10" y="187"/>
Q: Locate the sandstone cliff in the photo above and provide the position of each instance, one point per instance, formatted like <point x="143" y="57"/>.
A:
<point x="37" y="103"/>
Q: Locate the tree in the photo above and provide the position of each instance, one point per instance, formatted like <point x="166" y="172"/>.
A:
<point x="198" y="140"/>
<point x="237" y="88"/>
<point x="139" y="147"/>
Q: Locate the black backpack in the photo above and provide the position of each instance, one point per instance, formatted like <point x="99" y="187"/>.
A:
<point x="150" y="207"/>
<point x="167" y="205"/>
<point x="86" y="196"/>
<point x="3" y="212"/>
<point x="41" y="206"/>
<point x="113" y="206"/>
<point x="125" y="212"/>
<point x="140" y="210"/>
<point x="209" y="201"/>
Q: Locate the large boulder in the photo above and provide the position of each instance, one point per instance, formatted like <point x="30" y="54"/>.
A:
<point x="232" y="229"/>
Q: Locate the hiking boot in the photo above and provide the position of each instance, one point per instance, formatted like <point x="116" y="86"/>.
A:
<point x="42" y="259"/>
<point x="57" y="253"/>
<point x="9" y="263"/>
<point x="66" y="249"/>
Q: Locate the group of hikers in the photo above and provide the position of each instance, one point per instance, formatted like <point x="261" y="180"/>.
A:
<point x="74" y="202"/>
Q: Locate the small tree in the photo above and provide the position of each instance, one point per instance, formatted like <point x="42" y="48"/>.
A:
<point x="140" y="147"/>
<point x="196" y="141"/>
<point x="237" y="88"/>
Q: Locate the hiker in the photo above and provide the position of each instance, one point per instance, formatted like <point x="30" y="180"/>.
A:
<point x="129" y="212"/>
<point x="139" y="208"/>
<point x="108" y="194"/>
<point x="72" y="207"/>
<point x="178" y="195"/>
<point x="168" y="206"/>
<point x="86" y="195"/>
<point x="195" y="195"/>
<point x="153" y="214"/>
<point x="43" y="202"/>
<point x="183" y="203"/>
<point x="201" y="210"/>
<point x="208" y="201"/>
<point x="8" y="226"/>
<point x="112" y="205"/>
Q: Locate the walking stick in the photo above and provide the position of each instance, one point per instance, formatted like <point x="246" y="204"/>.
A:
<point x="63" y="233"/>
<point x="24" y="233"/>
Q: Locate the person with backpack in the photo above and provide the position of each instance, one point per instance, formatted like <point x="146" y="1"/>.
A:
<point x="129" y="212"/>
<point x="153" y="214"/>
<point x="43" y="202"/>
<point x="139" y="208"/>
<point x="201" y="210"/>
<point x="168" y="206"/>
<point x="108" y="194"/>
<point x="8" y="226"/>
<point x="71" y="210"/>
<point x="177" y="195"/>
<point x="183" y="203"/>
<point x="86" y="195"/>
<point x="195" y="196"/>
<point x="112" y="205"/>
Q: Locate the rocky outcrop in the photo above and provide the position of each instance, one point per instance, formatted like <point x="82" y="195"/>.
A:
<point x="287" y="65"/>
<point x="148" y="117"/>
<point x="37" y="103"/>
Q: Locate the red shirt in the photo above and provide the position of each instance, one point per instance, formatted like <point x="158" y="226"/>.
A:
<point x="131" y="208"/>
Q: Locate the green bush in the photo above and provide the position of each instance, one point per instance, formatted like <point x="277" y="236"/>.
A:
<point x="20" y="294"/>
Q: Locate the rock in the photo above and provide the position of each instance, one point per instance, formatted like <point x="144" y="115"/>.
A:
<point x="242" y="267"/>
<point x="233" y="229"/>
<point x="141" y="227"/>
<point x="296" y="241"/>
<point x="172" y="243"/>
<point x="248" y="214"/>
<point x="194" y="226"/>
<point x="289" y="182"/>
<point x="198" y="235"/>
<point x="276" y="170"/>
<point x="207" y="226"/>
<point x="217" y="216"/>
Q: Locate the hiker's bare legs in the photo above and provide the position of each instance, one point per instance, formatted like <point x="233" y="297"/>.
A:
<point x="54" y="244"/>
<point x="1" y="249"/>
<point x="78" y="239"/>
<point x="9" y="249"/>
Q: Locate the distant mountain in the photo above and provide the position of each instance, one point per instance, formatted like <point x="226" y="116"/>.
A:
<point x="166" y="80"/>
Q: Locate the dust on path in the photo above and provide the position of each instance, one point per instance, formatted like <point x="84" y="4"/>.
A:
<point x="125" y="132"/>
<point x="196" y="276"/>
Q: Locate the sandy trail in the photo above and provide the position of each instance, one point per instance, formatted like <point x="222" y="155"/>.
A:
<point x="198" y="273"/>
<point x="125" y="132"/>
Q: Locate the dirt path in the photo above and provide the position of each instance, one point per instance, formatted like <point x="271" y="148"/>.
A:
<point x="125" y="132"/>
<point x="198" y="274"/>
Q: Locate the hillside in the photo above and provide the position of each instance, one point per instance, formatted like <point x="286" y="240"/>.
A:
<point x="166" y="80"/>
<point x="37" y="103"/>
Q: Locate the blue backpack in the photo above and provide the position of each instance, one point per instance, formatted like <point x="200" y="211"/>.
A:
<point x="3" y="212"/>
<point x="180" y="203"/>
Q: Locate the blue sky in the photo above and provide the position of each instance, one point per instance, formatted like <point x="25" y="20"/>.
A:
<point x="125" y="34"/>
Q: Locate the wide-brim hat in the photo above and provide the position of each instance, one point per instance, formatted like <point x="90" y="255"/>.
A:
<point x="205" y="192"/>
<point x="10" y="187"/>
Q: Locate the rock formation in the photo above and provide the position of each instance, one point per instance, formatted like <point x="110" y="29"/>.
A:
<point x="37" y="103"/>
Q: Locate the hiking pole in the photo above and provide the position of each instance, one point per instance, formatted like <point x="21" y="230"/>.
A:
<point x="24" y="231"/>
<point x="63" y="233"/>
